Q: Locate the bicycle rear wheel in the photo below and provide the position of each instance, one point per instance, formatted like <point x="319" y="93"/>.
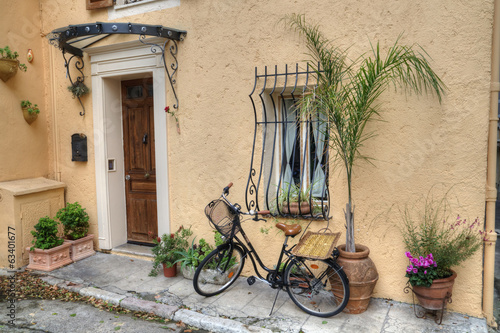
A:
<point x="218" y="270"/>
<point x="318" y="287"/>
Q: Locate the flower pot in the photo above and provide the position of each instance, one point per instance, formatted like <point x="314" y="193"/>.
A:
<point x="81" y="248"/>
<point x="305" y="208"/>
<point x="8" y="68"/>
<point x="170" y="271"/>
<point x="188" y="272"/>
<point x="433" y="297"/>
<point x="48" y="260"/>
<point x="29" y="117"/>
<point x="362" y="275"/>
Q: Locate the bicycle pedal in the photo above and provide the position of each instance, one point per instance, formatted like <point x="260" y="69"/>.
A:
<point x="251" y="280"/>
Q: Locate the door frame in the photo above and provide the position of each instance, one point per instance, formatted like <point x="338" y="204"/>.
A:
<point x="110" y="65"/>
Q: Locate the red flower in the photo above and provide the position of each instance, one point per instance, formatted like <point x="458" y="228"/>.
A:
<point x="172" y="235"/>
<point x="158" y="239"/>
<point x="167" y="109"/>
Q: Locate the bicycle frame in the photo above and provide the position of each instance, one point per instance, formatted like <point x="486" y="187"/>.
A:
<point x="255" y="258"/>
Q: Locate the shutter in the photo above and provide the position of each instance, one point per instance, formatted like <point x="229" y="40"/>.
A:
<point x="96" y="4"/>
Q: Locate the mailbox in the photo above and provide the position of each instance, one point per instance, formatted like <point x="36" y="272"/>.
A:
<point x="79" y="147"/>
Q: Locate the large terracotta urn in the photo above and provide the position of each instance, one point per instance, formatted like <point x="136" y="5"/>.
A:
<point x="435" y="296"/>
<point x="362" y="275"/>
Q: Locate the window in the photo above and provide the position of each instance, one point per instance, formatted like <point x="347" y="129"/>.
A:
<point x="289" y="165"/>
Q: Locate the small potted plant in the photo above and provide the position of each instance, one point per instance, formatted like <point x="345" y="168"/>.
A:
<point x="166" y="251"/>
<point x="75" y="221"/>
<point x="30" y="111"/>
<point x="194" y="255"/>
<point x="9" y="64"/>
<point x="435" y="245"/>
<point x="289" y="197"/>
<point x="48" y="251"/>
<point x="78" y="89"/>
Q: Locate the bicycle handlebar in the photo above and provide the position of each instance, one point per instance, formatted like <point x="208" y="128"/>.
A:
<point x="226" y="189"/>
<point x="225" y="192"/>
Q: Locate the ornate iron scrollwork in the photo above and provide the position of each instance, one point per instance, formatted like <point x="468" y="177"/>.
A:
<point x="174" y="65"/>
<point x="79" y="64"/>
<point x="64" y="39"/>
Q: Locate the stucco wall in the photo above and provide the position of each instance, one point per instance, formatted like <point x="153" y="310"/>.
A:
<point x="24" y="149"/>
<point x="420" y="144"/>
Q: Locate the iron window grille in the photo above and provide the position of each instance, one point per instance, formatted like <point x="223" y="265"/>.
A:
<point x="289" y="163"/>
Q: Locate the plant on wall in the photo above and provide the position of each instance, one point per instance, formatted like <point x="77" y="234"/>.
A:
<point x="32" y="109"/>
<point x="348" y="90"/>
<point x="78" y="89"/>
<point x="7" y="53"/>
<point x="9" y="63"/>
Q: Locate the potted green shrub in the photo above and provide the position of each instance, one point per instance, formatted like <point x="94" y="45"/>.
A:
<point x="48" y="251"/>
<point x="435" y="244"/>
<point x="191" y="258"/>
<point x="30" y="111"/>
<point x="347" y="98"/>
<point x="9" y="64"/>
<point x="75" y="221"/>
<point x="166" y="251"/>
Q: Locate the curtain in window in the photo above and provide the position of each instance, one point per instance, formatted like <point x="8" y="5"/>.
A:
<point x="318" y="177"/>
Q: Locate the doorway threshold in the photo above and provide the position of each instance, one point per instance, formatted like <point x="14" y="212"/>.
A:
<point x="134" y="251"/>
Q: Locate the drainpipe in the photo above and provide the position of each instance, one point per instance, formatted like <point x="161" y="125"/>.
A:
<point x="491" y="191"/>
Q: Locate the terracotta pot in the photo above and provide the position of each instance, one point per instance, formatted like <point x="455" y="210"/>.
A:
<point x="81" y="248"/>
<point x="48" y="260"/>
<point x="8" y="68"/>
<point x="170" y="271"/>
<point x="29" y="117"/>
<point x="432" y="297"/>
<point x="362" y="275"/>
<point x="305" y="208"/>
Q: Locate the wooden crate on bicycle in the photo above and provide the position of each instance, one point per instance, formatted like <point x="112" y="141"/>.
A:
<point x="316" y="245"/>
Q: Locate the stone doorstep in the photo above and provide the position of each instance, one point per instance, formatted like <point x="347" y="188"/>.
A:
<point x="48" y="260"/>
<point x="81" y="248"/>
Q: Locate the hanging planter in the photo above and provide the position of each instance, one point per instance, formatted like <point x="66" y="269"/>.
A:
<point x="30" y="111"/>
<point x="9" y="64"/>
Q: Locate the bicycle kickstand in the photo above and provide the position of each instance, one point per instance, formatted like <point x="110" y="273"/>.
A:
<point x="274" y="303"/>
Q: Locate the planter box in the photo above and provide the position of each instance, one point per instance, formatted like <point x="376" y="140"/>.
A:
<point x="48" y="260"/>
<point x="81" y="248"/>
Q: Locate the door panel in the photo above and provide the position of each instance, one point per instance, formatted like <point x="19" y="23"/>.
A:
<point x="140" y="171"/>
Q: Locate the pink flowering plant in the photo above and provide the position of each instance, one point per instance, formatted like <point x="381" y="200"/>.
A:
<point x="421" y="271"/>
<point x="436" y="243"/>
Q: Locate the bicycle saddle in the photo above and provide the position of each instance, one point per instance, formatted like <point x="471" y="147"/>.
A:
<point x="290" y="230"/>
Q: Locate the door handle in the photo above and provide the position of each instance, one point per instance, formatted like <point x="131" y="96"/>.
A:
<point x="147" y="175"/>
<point x="127" y="177"/>
<point x="145" y="139"/>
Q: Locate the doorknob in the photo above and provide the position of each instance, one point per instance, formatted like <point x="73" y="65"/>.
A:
<point x="147" y="175"/>
<point x="145" y="139"/>
<point x="127" y="177"/>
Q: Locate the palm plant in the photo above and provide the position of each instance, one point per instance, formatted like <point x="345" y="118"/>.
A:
<point x="348" y="90"/>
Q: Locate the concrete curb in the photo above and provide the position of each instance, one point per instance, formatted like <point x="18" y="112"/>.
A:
<point x="200" y="320"/>
<point x="189" y="317"/>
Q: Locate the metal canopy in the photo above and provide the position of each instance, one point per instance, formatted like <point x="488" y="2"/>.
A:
<point x="73" y="39"/>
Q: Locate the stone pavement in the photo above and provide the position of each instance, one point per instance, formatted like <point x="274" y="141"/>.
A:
<point x="242" y="308"/>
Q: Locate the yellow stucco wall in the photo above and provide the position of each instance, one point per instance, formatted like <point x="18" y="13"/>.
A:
<point x="420" y="144"/>
<point x="24" y="149"/>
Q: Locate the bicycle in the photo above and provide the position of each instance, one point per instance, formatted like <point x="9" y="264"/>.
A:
<point x="317" y="286"/>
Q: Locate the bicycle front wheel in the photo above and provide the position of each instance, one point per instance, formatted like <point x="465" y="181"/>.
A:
<point x="318" y="287"/>
<point x="218" y="270"/>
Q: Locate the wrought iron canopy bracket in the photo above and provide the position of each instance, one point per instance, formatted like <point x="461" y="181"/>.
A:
<point x="74" y="38"/>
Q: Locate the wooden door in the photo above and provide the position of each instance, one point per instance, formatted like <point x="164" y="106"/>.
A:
<point x="139" y="151"/>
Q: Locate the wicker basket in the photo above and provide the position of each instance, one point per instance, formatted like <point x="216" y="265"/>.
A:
<point x="223" y="218"/>
<point x="316" y="245"/>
